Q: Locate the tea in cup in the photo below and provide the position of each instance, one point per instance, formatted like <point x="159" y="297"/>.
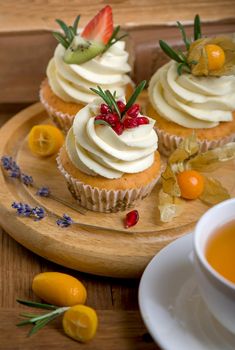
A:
<point x="214" y="261"/>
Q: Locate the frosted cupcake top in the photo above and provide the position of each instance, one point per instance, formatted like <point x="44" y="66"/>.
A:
<point x="104" y="142"/>
<point x="192" y="101"/>
<point x="85" y="58"/>
<point x="71" y="82"/>
<point x="196" y="89"/>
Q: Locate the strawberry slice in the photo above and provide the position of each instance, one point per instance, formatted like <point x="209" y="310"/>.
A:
<point x="100" y="28"/>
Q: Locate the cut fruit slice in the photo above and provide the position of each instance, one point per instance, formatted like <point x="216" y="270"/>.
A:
<point x="45" y="140"/>
<point x="100" y="28"/>
<point x="81" y="50"/>
<point x="80" y="323"/>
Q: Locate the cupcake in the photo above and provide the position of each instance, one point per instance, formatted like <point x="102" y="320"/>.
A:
<point x="96" y="56"/>
<point x="195" y="93"/>
<point x="110" y="158"/>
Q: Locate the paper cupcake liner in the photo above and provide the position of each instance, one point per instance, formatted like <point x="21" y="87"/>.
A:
<point x="167" y="143"/>
<point x="109" y="201"/>
<point x="62" y="120"/>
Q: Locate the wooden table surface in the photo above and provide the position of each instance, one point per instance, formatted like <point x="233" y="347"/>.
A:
<point x="25" y="15"/>
<point x="120" y="324"/>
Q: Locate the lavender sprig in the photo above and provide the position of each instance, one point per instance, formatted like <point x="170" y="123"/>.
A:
<point x="65" y="221"/>
<point x="26" y="179"/>
<point x="43" y="192"/>
<point x="23" y="209"/>
<point x="10" y="166"/>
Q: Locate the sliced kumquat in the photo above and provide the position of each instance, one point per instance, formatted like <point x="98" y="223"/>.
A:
<point x="45" y="140"/>
<point x="80" y="323"/>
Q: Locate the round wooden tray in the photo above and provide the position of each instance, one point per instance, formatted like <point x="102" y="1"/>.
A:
<point x="100" y="244"/>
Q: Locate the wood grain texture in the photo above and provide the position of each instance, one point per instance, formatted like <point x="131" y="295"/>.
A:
<point x="24" y="15"/>
<point x="117" y="330"/>
<point x="91" y="246"/>
<point x="115" y="300"/>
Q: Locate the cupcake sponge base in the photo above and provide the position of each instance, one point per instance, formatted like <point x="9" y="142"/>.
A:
<point x="104" y="195"/>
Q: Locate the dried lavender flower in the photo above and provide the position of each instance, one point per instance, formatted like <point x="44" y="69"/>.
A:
<point x="65" y="221"/>
<point x="43" y="192"/>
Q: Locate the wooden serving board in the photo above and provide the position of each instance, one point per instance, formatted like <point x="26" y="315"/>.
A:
<point x="99" y="244"/>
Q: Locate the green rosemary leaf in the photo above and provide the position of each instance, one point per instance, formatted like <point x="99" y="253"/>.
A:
<point x="182" y="56"/>
<point x="197" y="27"/>
<point x="114" y="34"/>
<point x="59" y="37"/>
<point x="70" y="35"/>
<point x="24" y="322"/>
<point x="113" y="39"/>
<point x="36" y="304"/>
<point x="75" y="24"/>
<point x="169" y="51"/>
<point x="101" y="93"/>
<point x="101" y="122"/>
<point x="71" y="32"/>
<point x="134" y="96"/>
<point x="185" y="39"/>
<point x="180" y="68"/>
<point x="63" y="26"/>
<point x="40" y="324"/>
<point x="28" y="315"/>
<point x="113" y="101"/>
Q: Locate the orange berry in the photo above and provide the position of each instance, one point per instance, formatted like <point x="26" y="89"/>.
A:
<point x="191" y="184"/>
<point x="215" y="56"/>
<point x="45" y="140"/>
<point x="59" y="289"/>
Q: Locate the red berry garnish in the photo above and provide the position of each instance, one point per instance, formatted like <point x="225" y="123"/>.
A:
<point x="133" y="111"/>
<point x="130" y="123"/>
<point x="112" y="119"/>
<point x="121" y="106"/>
<point x="100" y="117"/>
<point x="131" y="218"/>
<point x="142" y="120"/>
<point x="104" y="109"/>
<point x="118" y="128"/>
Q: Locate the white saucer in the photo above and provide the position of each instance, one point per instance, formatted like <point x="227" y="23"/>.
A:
<point x="171" y="306"/>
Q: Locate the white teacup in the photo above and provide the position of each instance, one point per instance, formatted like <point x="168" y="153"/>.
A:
<point x="217" y="292"/>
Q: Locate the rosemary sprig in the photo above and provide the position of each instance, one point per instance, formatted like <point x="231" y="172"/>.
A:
<point x="135" y="94"/>
<point x="197" y="28"/>
<point x="113" y="39"/>
<point x="69" y="32"/>
<point x="39" y="321"/>
<point x="36" y="304"/>
<point x="179" y="56"/>
<point x="110" y="100"/>
<point x="185" y="39"/>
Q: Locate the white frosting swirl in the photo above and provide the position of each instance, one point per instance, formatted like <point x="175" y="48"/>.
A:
<point x="190" y="101"/>
<point x="98" y="150"/>
<point x="72" y="82"/>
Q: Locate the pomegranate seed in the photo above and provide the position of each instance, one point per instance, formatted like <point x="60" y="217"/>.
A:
<point x="112" y="119"/>
<point x="130" y="123"/>
<point x="118" y="128"/>
<point x="142" y="120"/>
<point x="121" y="106"/>
<point x="100" y="117"/>
<point x="133" y="111"/>
<point x="131" y="218"/>
<point x="104" y="109"/>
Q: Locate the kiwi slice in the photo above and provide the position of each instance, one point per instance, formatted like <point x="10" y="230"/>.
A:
<point x="82" y="50"/>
